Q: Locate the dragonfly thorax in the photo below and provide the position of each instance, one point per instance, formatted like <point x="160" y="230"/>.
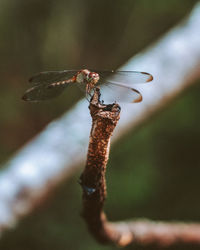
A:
<point x="85" y="76"/>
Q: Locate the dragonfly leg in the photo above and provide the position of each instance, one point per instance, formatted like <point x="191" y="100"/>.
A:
<point x="88" y="96"/>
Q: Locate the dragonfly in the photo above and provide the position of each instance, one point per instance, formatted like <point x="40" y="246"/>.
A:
<point x="117" y="85"/>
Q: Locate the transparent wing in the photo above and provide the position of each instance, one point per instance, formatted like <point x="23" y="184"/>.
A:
<point x="112" y="92"/>
<point x="127" y="78"/>
<point x="43" y="92"/>
<point x="51" y="76"/>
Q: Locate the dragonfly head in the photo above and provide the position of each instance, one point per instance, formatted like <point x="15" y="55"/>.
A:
<point x="93" y="78"/>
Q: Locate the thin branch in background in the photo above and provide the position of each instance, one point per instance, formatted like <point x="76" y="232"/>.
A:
<point x="41" y="164"/>
<point x="93" y="182"/>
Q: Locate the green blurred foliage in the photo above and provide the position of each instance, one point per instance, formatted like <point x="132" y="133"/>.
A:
<point x="152" y="172"/>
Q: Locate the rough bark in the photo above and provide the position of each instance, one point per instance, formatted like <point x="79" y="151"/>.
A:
<point x="92" y="180"/>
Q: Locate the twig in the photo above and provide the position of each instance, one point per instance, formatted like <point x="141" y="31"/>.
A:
<point x="163" y="234"/>
<point x="92" y="180"/>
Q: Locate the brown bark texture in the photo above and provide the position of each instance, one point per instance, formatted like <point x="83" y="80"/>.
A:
<point x="92" y="180"/>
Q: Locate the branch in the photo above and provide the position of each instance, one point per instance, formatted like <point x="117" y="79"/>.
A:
<point x="174" y="62"/>
<point x="163" y="234"/>
<point x="92" y="180"/>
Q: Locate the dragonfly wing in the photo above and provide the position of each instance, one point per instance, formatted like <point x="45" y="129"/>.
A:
<point x="43" y="92"/>
<point x="51" y="76"/>
<point x="111" y="92"/>
<point x="124" y="77"/>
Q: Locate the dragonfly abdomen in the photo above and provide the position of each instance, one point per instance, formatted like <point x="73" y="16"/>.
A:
<point x="61" y="83"/>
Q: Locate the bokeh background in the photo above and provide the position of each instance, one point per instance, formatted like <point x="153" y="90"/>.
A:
<point x="154" y="171"/>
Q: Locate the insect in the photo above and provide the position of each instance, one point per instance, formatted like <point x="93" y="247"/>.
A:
<point x="117" y="85"/>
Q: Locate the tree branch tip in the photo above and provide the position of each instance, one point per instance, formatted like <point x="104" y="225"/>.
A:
<point x="95" y="100"/>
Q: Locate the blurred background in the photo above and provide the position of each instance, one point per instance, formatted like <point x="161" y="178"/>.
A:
<point x="158" y="164"/>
